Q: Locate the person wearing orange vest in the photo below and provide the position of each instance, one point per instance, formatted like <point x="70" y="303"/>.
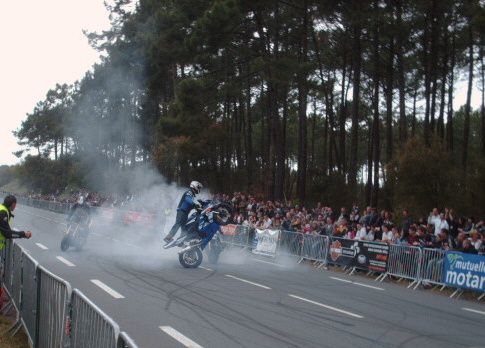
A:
<point x="6" y="216"/>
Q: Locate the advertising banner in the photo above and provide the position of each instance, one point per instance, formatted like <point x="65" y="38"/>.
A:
<point x="266" y="242"/>
<point x="370" y="256"/>
<point x="466" y="271"/>
<point x="229" y="230"/>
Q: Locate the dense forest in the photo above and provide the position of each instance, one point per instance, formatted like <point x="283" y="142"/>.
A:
<point x="333" y="101"/>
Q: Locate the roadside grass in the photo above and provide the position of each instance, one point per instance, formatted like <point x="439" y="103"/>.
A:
<point x="6" y="340"/>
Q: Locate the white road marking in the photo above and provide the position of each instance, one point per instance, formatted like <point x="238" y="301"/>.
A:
<point x="42" y="246"/>
<point x="359" y="284"/>
<point x="341" y="280"/>
<point x="66" y="262"/>
<point x="327" y="306"/>
<point x="206" y="268"/>
<point x="369" y="286"/>
<point x="247" y="281"/>
<point x="179" y="337"/>
<point x="473" y="310"/>
<point x="106" y="288"/>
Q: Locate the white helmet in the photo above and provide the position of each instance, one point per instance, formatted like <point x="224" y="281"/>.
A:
<point x="196" y="186"/>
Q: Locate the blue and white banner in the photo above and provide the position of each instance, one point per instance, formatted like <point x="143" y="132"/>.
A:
<point x="464" y="271"/>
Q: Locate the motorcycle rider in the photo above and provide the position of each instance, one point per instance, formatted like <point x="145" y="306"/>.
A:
<point x="186" y="204"/>
<point x="80" y="204"/>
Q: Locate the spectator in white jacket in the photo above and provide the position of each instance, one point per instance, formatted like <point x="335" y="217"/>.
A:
<point x="361" y="232"/>
<point x="434" y="219"/>
<point x="441" y="224"/>
<point x="386" y="234"/>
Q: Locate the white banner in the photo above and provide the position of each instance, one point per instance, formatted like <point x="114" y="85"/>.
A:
<point x="266" y="242"/>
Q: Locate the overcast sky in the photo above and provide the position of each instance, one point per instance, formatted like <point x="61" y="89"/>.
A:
<point x="42" y="44"/>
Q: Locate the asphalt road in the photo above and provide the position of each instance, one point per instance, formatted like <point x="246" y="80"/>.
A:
<point x="243" y="302"/>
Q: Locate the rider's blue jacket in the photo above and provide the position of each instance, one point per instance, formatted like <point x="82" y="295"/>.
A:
<point x="187" y="202"/>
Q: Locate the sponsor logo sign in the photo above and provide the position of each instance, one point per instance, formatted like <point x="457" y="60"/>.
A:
<point x="266" y="242"/>
<point x="464" y="271"/>
<point x="361" y="254"/>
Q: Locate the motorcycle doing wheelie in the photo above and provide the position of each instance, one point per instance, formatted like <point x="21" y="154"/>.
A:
<point x="77" y="229"/>
<point x="202" y="229"/>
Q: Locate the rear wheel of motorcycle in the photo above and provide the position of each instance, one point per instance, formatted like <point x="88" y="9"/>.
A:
<point x="191" y="258"/>
<point x="65" y="243"/>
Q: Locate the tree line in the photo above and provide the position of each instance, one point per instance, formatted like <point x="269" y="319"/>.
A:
<point x="307" y="100"/>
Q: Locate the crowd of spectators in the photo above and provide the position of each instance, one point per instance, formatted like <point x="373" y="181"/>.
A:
<point x="440" y="229"/>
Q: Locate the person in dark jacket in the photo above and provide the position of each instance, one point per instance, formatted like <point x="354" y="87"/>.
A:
<point x="468" y="247"/>
<point x="186" y="204"/>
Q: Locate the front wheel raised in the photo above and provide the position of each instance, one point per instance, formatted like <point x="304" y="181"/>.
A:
<point x="191" y="258"/>
<point x="65" y="243"/>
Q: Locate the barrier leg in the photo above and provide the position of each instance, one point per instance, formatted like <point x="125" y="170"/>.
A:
<point x="481" y="296"/>
<point x="454" y="293"/>
<point x="382" y="277"/>
<point x="15" y="327"/>
<point x="6" y="308"/>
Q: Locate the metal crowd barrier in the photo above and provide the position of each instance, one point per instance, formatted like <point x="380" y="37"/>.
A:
<point x="16" y="274"/>
<point x="125" y="341"/>
<point x="241" y="237"/>
<point x="314" y="247"/>
<point x="52" y="314"/>
<point x="28" y="309"/>
<point x="54" y="295"/>
<point x="90" y="326"/>
<point x="57" y="207"/>
<point x="404" y="262"/>
<point x="8" y="267"/>
<point x="290" y="243"/>
<point x="432" y="266"/>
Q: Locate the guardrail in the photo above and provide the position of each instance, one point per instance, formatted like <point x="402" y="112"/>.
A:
<point x="57" y="207"/>
<point x="52" y="314"/>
